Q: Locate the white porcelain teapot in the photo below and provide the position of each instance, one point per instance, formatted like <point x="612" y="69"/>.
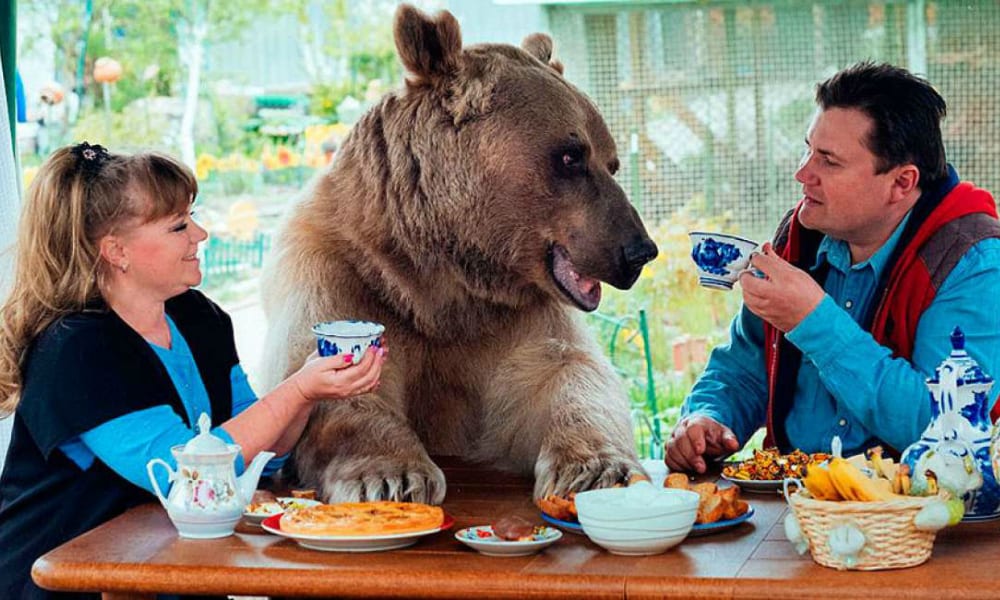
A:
<point x="206" y="498"/>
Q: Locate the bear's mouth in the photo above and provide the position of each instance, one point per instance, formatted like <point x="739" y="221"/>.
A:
<point x="583" y="291"/>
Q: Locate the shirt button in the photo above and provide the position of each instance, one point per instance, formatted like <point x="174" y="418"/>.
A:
<point x="849" y="303"/>
<point x="842" y="422"/>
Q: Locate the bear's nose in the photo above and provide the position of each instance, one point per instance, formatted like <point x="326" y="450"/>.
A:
<point x="639" y="252"/>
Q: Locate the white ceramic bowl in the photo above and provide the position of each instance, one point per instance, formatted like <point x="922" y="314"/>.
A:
<point x="347" y="337"/>
<point x="637" y="520"/>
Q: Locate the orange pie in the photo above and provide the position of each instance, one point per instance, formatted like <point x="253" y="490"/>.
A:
<point x="362" y="518"/>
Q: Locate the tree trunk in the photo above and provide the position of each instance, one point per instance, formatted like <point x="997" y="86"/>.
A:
<point x="192" y="52"/>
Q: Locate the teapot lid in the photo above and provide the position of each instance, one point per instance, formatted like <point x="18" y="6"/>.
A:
<point x="959" y="361"/>
<point x="205" y="442"/>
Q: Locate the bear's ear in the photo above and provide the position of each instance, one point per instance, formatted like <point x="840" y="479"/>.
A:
<point x="428" y="47"/>
<point x="539" y="45"/>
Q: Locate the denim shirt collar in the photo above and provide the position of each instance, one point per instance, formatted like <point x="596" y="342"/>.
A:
<point x="838" y="254"/>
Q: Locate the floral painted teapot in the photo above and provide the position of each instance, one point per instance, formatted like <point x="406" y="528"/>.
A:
<point x="206" y="498"/>
<point x="956" y="444"/>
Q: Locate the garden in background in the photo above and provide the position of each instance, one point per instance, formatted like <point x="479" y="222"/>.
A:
<point x="707" y="101"/>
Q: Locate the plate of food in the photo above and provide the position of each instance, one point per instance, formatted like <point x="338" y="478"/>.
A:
<point x="720" y="525"/>
<point x="719" y="508"/>
<point x="572" y="526"/>
<point x="767" y="469"/>
<point x="765" y="486"/>
<point x="561" y="512"/>
<point x="255" y="512"/>
<point x="509" y="536"/>
<point x="359" y="526"/>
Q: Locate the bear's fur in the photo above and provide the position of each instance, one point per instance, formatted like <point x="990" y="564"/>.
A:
<point x="472" y="213"/>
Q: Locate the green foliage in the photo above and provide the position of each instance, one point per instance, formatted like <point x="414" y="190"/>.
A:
<point x="133" y="128"/>
<point x="669" y="291"/>
<point x="677" y="308"/>
<point x="325" y="97"/>
<point x="231" y="133"/>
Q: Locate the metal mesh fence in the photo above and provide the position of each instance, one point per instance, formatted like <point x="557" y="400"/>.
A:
<point x="709" y="101"/>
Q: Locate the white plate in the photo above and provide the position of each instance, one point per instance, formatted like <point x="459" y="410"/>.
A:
<point x="757" y="486"/>
<point x="483" y="540"/>
<point x="352" y="543"/>
<point x="269" y="509"/>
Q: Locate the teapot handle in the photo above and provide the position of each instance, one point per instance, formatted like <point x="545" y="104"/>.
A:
<point x="152" y="477"/>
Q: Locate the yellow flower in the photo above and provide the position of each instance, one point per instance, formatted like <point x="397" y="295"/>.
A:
<point x="204" y="165"/>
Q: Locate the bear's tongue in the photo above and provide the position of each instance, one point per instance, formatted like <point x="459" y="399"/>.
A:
<point x="585" y="292"/>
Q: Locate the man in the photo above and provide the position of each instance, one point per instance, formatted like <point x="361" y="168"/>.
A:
<point x="855" y="301"/>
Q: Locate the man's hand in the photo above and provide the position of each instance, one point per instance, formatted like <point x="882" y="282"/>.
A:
<point x="694" y="438"/>
<point x="784" y="296"/>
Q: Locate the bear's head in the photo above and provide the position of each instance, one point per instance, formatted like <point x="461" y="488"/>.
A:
<point x="506" y="168"/>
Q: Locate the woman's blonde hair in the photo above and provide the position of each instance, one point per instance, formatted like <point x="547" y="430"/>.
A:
<point x="79" y="195"/>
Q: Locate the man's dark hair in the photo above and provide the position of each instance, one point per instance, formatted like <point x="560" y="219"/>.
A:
<point x="906" y="112"/>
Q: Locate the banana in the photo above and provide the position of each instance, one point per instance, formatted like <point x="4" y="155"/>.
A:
<point x="816" y="478"/>
<point x="901" y="482"/>
<point x="852" y="484"/>
<point x="883" y="467"/>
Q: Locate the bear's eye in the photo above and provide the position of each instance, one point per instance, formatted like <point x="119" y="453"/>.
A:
<point x="570" y="160"/>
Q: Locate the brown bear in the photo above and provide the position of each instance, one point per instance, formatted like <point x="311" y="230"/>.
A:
<point x="474" y="213"/>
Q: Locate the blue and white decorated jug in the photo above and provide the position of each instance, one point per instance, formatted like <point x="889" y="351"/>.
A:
<point x="956" y="444"/>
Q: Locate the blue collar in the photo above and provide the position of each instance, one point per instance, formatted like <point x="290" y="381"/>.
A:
<point x="838" y="254"/>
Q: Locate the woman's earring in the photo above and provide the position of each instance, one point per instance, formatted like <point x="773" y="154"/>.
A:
<point x="123" y="267"/>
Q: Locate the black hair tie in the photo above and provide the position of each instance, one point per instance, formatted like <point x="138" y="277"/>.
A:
<point x="90" y="158"/>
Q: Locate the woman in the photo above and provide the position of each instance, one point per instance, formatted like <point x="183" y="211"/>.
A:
<point x="108" y="357"/>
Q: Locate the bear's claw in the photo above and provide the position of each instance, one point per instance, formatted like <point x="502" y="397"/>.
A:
<point x="383" y="478"/>
<point x="563" y="477"/>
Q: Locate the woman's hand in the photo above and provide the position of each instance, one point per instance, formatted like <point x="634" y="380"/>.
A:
<point x="335" y="378"/>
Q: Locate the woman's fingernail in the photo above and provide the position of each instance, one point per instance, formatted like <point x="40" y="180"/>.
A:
<point x="383" y="351"/>
<point x="348" y="358"/>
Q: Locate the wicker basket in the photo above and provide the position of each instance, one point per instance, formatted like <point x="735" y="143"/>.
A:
<point x="891" y="540"/>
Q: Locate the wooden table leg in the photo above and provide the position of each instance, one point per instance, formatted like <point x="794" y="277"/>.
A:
<point x="126" y="596"/>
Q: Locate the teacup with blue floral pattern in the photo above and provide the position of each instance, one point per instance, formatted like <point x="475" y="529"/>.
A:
<point x="720" y="257"/>
<point x="347" y="337"/>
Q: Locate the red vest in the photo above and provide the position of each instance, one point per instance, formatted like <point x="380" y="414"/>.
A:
<point x="964" y="216"/>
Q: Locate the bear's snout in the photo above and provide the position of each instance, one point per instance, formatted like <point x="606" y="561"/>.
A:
<point x="638" y="252"/>
<point x="634" y="256"/>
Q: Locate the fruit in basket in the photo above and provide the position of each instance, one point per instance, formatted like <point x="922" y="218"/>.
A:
<point x="901" y="482"/>
<point x="883" y="467"/>
<point x="816" y="477"/>
<point x="853" y="484"/>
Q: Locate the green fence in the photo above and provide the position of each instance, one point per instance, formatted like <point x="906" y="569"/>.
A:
<point x="626" y="340"/>
<point x="709" y="101"/>
<point x="231" y="257"/>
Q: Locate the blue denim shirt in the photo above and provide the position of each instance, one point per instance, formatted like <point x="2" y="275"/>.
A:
<point x="849" y="385"/>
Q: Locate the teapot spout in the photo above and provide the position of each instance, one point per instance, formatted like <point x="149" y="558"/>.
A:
<point x="247" y="482"/>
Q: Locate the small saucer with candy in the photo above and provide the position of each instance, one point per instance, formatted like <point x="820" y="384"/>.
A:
<point x="510" y="536"/>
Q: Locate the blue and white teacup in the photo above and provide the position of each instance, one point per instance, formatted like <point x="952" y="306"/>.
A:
<point x="347" y="337"/>
<point x="720" y="257"/>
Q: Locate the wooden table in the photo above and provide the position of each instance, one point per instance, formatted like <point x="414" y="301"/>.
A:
<point x="139" y="553"/>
